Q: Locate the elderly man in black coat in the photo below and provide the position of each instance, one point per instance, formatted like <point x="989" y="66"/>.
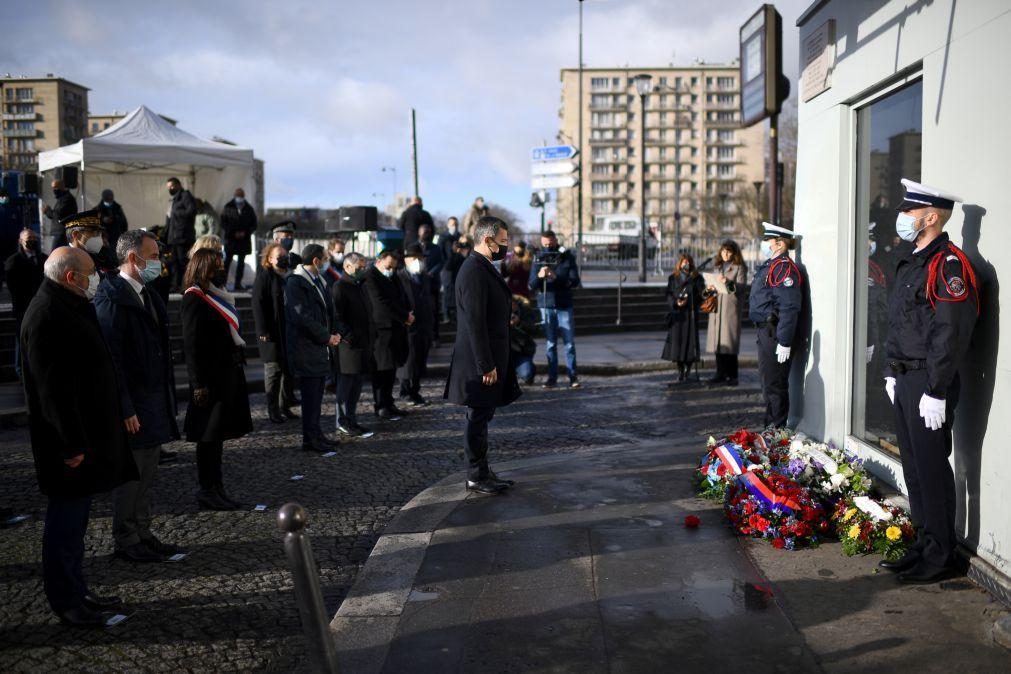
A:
<point x="312" y="333"/>
<point x="180" y="226"/>
<point x="416" y="284"/>
<point x="75" y="422"/>
<point x="480" y="375"/>
<point x="351" y="309"/>
<point x="413" y="217"/>
<point x="135" y="324"/>
<point x="391" y="316"/>
<point x="238" y="220"/>
<point x="23" y="271"/>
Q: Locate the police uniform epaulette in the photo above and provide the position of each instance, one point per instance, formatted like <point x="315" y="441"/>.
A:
<point x="957" y="287"/>
<point x="783" y="272"/>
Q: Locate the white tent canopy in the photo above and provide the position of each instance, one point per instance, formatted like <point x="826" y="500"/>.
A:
<point x="136" y="155"/>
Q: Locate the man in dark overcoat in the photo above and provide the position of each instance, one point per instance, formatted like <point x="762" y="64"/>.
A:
<point x="391" y="316"/>
<point x="23" y="271"/>
<point x="238" y="221"/>
<point x="180" y="228"/>
<point x="416" y="285"/>
<point x="351" y="309"/>
<point x="64" y="206"/>
<point x="135" y="324"/>
<point x="413" y="217"/>
<point x="113" y="218"/>
<point x="480" y="375"/>
<point x="76" y="426"/>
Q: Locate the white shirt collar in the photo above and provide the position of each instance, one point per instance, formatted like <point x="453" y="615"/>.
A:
<point x="136" y="285"/>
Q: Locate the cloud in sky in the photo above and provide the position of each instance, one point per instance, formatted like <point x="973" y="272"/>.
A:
<point x="323" y="91"/>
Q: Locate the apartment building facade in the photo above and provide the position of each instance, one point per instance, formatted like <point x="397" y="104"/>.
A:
<point x="36" y="114"/>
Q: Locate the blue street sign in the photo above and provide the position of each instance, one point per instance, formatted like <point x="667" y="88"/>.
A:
<point x="553" y="152"/>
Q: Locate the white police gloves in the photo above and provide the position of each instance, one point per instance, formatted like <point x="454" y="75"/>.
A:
<point x="870" y="353"/>
<point x="932" y="411"/>
<point x="890" y="388"/>
<point x="782" y="353"/>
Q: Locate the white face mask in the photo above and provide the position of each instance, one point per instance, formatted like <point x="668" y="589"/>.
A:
<point x="388" y="273"/>
<point x="93" y="281"/>
<point x="323" y="268"/>
<point x="766" y="249"/>
<point x="415" y="266"/>
<point x="107" y="204"/>
<point x="93" y="245"/>
<point x="239" y="201"/>
<point x="905" y="227"/>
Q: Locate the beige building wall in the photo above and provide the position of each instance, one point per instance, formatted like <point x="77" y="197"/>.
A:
<point x="693" y="144"/>
<point x="39" y="114"/>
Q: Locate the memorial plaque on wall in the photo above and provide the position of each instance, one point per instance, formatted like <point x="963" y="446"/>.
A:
<point x="818" y="52"/>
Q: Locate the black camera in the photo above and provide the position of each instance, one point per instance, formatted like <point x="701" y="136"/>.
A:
<point x="549" y="258"/>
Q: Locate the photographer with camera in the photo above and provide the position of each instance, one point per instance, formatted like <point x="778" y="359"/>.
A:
<point x="554" y="274"/>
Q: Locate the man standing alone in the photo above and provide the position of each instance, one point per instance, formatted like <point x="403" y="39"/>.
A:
<point x="479" y="374"/>
<point x="554" y="274"/>
<point x="238" y="220"/>
<point x="180" y="224"/>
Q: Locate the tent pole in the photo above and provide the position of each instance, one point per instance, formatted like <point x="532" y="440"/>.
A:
<point x="84" y="199"/>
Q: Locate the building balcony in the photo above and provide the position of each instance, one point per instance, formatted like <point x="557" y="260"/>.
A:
<point x="20" y="116"/>
<point x="609" y="160"/>
<point x="724" y="123"/>
<point x="604" y="177"/>
<point x="18" y="133"/>
<point x="610" y="107"/>
<point x="608" y="141"/>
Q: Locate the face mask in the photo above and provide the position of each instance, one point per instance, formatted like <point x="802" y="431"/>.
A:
<point x="93" y="245"/>
<point x="415" y="266"/>
<point x="59" y="193"/>
<point x="498" y="254"/>
<point x="282" y="263"/>
<point x="388" y="273"/>
<point x="219" y="278"/>
<point x="323" y="268"/>
<point x="766" y="248"/>
<point x="905" y="227"/>
<point x="173" y="191"/>
<point x="93" y="281"/>
<point x="338" y="258"/>
<point x="32" y="244"/>
<point x="359" y="274"/>
<point x="151" y="271"/>
<point x="287" y="244"/>
<point x="107" y="204"/>
<point x="872" y="247"/>
<point x="3" y="201"/>
<point x="239" y="201"/>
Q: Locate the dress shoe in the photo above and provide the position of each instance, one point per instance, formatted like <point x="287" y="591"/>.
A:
<point x="224" y="496"/>
<point x="139" y="553"/>
<point x="549" y="384"/>
<point x="417" y="401"/>
<point x="495" y="478"/>
<point x="346" y="429"/>
<point x="903" y="563"/>
<point x="288" y="414"/>
<point x="165" y="456"/>
<point x="388" y="415"/>
<point x="82" y="616"/>
<point x="276" y="416"/>
<point x="399" y="412"/>
<point x="164" y="549"/>
<point x="362" y="431"/>
<point x="486" y="486"/>
<point x="323" y="441"/>
<point x="208" y="499"/>
<point x="574" y="384"/>
<point x="98" y="603"/>
<point x="925" y="574"/>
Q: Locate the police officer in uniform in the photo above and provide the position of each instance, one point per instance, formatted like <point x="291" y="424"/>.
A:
<point x="775" y="308"/>
<point x="284" y="234"/>
<point x="931" y="315"/>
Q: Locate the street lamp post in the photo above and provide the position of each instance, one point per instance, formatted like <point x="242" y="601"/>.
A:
<point x="644" y="85"/>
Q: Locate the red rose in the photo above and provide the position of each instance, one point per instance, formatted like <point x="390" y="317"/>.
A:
<point x="721" y="470"/>
<point x="802" y="529"/>
<point x="692" y="521"/>
<point x="746" y="531"/>
<point x="778" y="543"/>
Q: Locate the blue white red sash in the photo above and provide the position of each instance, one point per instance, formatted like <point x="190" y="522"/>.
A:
<point x="224" y="308"/>
<point x="764" y="493"/>
<point x="729" y="458"/>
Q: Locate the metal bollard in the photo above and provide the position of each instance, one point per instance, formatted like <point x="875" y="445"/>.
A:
<point x="292" y="519"/>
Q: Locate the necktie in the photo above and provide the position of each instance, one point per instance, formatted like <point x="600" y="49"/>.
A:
<point x="146" y="296"/>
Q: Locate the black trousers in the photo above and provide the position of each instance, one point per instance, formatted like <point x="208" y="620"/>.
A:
<point x="925" y="468"/>
<point x="475" y="441"/>
<point x="726" y="365"/>
<point x="382" y="388"/>
<point x="63" y="552"/>
<point x="417" y="365"/>
<point x="180" y="256"/>
<point x="349" y="390"/>
<point x="775" y="378"/>
<point x="209" y="464"/>
<point x="312" y="389"/>
<point x="240" y="266"/>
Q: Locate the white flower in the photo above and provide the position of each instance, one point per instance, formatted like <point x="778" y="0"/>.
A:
<point x="838" y="481"/>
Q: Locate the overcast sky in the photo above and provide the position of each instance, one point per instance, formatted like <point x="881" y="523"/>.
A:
<point x="322" y="90"/>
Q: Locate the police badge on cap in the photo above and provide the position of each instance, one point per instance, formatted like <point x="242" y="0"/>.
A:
<point x="919" y="195"/>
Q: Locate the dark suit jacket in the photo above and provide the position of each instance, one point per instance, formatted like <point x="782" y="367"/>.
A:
<point x="181" y="221"/>
<point x="235" y="220"/>
<point x="411" y="219"/>
<point x="389" y="309"/>
<point x="309" y="322"/>
<point x="24" y="277"/>
<point x="351" y="309"/>
<point x="268" y="313"/>
<point x="483" y="310"/>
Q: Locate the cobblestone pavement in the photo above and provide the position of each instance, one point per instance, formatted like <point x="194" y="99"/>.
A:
<point x="229" y="606"/>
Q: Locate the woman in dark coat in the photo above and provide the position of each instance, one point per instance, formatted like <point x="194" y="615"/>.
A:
<point x="219" y="403"/>
<point x="268" y="312"/>
<point x="684" y="295"/>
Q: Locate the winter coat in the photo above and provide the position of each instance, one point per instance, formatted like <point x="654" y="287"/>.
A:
<point x="268" y="313"/>
<point x="352" y="312"/>
<point x="72" y="396"/>
<point x="180" y="222"/>
<point x="724" y="334"/>
<point x="483" y="310"/>
<point x="682" y="344"/>
<point x="309" y="322"/>
<point x="388" y="306"/>
<point x="557" y="292"/>
<point x="449" y="265"/>
<point x="238" y="225"/>
<point x="117" y="223"/>
<point x="214" y="362"/>
<point x="435" y="261"/>
<point x="411" y="219"/>
<point x="24" y="277"/>
<point x="140" y="349"/>
<point x="64" y="207"/>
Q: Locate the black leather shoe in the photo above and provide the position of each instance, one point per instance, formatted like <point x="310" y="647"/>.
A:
<point x="485" y="486"/>
<point x="388" y="415"/>
<point x="314" y="448"/>
<point x="324" y="441"/>
<point x="346" y="429"/>
<point x="418" y="401"/>
<point x="139" y="553"/>
<point x="226" y="497"/>
<point x="164" y="549"/>
<point x="288" y="414"/>
<point x="98" y="603"/>
<point x="925" y="574"/>
<point x="208" y="499"/>
<point x="495" y="478"/>
<point x="903" y="563"/>
<point x="549" y="384"/>
<point x="276" y="416"/>
<point x="165" y="456"/>
<point x="399" y="412"/>
<point x="82" y="616"/>
<point x="363" y="432"/>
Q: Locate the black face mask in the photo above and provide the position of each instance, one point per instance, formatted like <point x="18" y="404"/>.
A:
<point x="219" y="278"/>
<point x="59" y="193"/>
<point x="499" y="254"/>
<point x="31" y="245"/>
<point x="287" y="244"/>
<point x="173" y="191"/>
<point x="282" y="263"/>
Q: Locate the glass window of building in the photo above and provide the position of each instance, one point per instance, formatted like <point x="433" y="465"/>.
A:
<point x="889" y="141"/>
<point x="599" y="83"/>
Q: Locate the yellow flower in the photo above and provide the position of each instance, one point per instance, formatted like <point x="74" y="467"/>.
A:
<point x="893" y="533"/>
<point x="849" y="513"/>
<point x="854" y="531"/>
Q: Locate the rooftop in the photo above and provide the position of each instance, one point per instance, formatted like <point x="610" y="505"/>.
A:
<point x="48" y="77"/>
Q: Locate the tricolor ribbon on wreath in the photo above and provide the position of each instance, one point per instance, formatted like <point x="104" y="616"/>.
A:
<point x="758" y="488"/>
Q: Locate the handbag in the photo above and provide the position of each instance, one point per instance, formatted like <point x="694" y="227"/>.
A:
<point x="709" y="304"/>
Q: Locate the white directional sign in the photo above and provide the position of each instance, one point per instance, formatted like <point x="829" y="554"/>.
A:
<point x="553" y="152"/>
<point x="553" y="182"/>
<point x="552" y="168"/>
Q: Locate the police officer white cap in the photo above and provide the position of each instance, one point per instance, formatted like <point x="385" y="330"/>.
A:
<point x="772" y="231"/>
<point x="919" y="195"/>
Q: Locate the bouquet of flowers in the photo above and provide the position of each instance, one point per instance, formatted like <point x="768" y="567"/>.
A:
<point x="718" y="466"/>
<point x="865" y="525"/>
<point x="829" y="472"/>
<point x="776" y="508"/>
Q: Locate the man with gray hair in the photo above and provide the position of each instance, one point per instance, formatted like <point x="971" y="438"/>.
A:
<point x="352" y="311"/>
<point x="78" y="437"/>
<point x="135" y="324"/>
